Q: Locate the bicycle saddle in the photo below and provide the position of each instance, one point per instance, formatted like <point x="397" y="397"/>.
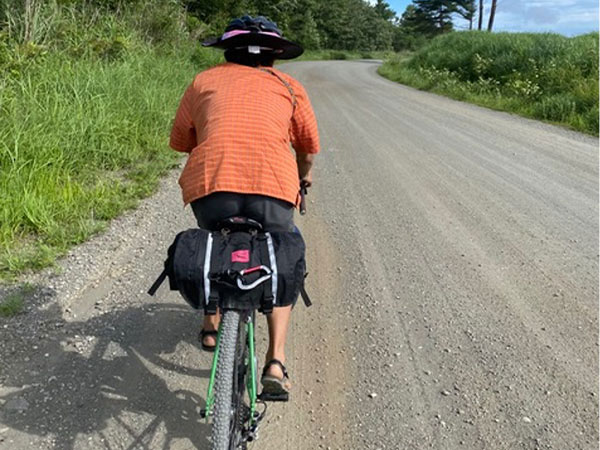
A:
<point x="237" y="223"/>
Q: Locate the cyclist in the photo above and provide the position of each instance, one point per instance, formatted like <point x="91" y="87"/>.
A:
<point x="236" y="121"/>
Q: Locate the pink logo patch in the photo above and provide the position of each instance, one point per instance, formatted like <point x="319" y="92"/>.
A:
<point x="241" y="256"/>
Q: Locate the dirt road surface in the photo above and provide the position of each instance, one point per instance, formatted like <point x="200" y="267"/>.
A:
<point x="453" y="257"/>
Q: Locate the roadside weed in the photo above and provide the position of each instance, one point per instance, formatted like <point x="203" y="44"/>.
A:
<point x="81" y="140"/>
<point x="543" y="76"/>
<point x="11" y="305"/>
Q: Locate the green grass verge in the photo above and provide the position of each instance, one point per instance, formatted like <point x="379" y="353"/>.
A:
<point x="81" y="140"/>
<point x="84" y="138"/>
<point x="86" y="103"/>
<point x="542" y="76"/>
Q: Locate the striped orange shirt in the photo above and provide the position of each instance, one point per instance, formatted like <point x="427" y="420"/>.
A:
<point x="237" y="123"/>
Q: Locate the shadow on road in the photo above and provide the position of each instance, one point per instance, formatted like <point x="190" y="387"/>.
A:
<point x="113" y="381"/>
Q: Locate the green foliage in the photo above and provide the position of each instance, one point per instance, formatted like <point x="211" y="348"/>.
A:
<point x="407" y="35"/>
<point x="434" y="16"/>
<point x="544" y="76"/>
<point x="104" y="27"/>
<point x="160" y="21"/>
<point x="304" y="29"/>
<point x="80" y="142"/>
<point x="88" y="89"/>
<point x="84" y="116"/>
<point x="383" y="10"/>
<point x="466" y="9"/>
<point x="11" y="305"/>
<point x="321" y="55"/>
<point x="109" y="49"/>
<point x="424" y="19"/>
<point x="336" y="24"/>
<point x="203" y="57"/>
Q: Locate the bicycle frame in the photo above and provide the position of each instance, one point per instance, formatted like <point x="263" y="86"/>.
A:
<point x="251" y="382"/>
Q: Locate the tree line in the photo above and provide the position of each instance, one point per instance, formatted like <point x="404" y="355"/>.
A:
<point x="333" y="24"/>
<point x="424" y="19"/>
<point x="349" y="24"/>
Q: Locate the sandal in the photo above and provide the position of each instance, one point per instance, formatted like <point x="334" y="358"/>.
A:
<point x="205" y="333"/>
<point x="274" y="388"/>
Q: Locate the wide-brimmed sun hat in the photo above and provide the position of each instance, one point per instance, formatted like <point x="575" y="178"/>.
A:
<point x="259" y="32"/>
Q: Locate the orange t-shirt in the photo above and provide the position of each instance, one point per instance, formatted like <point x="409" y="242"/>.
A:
<point x="236" y="122"/>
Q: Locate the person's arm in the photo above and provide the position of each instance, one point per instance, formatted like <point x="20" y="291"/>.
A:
<point x="304" y="135"/>
<point x="183" y="133"/>
<point x="305" y="165"/>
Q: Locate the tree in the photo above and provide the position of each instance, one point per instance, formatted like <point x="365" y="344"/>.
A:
<point x="306" y="31"/>
<point x="335" y="24"/>
<point x="302" y="25"/>
<point x="466" y="9"/>
<point x="384" y="11"/>
<point x="492" y="15"/>
<point x="435" y="16"/>
<point x="407" y="35"/>
<point x="480" y="15"/>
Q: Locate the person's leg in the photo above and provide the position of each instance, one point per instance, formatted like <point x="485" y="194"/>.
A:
<point x="213" y="208"/>
<point x="278" y="322"/>
<point x="272" y="213"/>
<point x="275" y="215"/>
<point x="209" y="211"/>
<point x="210" y="323"/>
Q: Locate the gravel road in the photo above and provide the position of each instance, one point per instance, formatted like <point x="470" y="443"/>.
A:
<point x="453" y="258"/>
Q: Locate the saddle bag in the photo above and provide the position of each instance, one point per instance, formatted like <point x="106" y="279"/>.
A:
<point x="236" y="270"/>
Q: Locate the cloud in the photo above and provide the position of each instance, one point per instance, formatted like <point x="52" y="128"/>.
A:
<point x="543" y="15"/>
<point x="562" y="16"/>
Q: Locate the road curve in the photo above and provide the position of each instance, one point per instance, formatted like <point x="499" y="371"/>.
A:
<point x="453" y="256"/>
<point x="470" y="243"/>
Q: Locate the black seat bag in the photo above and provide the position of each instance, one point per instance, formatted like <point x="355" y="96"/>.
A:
<point x="208" y="268"/>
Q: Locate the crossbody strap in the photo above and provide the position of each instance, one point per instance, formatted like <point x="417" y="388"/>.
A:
<point x="286" y="84"/>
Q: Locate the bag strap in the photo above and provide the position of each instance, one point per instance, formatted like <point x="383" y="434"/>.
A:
<point x="212" y="295"/>
<point x="304" y="294"/>
<point x="211" y="306"/>
<point x="305" y="297"/>
<point x="286" y="84"/>
<point x="266" y="304"/>
<point x="161" y="278"/>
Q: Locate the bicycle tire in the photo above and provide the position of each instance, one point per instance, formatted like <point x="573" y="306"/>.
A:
<point x="241" y="411"/>
<point x="228" y="392"/>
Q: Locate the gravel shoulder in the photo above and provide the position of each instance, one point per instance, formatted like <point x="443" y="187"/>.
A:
<point x="96" y="363"/>
<point x="453" y="259"/>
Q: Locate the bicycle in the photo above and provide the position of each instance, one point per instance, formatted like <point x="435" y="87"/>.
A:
<point x="233" y="375"/>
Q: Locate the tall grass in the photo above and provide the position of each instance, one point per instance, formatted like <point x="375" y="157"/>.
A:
<point x="543" y="76"/>
<point x="88" y="90"/>
<point x="83" y="133"/>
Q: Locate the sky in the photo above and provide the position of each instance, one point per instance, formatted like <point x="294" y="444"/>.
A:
<point x="569" y="17"/>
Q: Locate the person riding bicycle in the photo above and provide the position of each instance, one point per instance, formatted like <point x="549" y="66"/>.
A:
<point x="236" y="121"/>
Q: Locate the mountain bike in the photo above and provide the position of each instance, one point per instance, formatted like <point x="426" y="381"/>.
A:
<point x="233" y="401"/>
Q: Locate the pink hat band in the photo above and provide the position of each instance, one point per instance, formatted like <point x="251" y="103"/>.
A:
<point x="233" y="33"/>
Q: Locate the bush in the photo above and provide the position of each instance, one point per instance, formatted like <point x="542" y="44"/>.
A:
<point x="340" y="55"/>
<point x="556" y="108"/>
<point x="84" y="117"/>
<point x="204" y="57"/>
<point x="545" y="76"/>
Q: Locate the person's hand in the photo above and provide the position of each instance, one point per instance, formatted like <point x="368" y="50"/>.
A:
<point x="305" y="163"/>
<point x="306" y="180"/>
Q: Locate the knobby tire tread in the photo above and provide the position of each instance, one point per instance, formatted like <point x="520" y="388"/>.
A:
<point x="223" y="410"/>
